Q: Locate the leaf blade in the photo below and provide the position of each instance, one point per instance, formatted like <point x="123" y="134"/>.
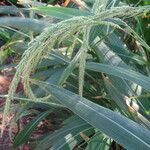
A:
<point x="26" y="132"/>
<point x="60" y="12"/>
<point x="132" y="134"/>
<point x="127" y="74"/>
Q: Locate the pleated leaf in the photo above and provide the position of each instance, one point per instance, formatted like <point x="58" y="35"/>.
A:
<point x="71" y="140"/>
<point x="127" y="74"/>
<point x="73" y="126"/>
<point x="123" y="130"/>
<point x="99" y="142"/>
<point x="29" y="128"/>
<point x="60" y="12"/>
<point x="24" y="24"/>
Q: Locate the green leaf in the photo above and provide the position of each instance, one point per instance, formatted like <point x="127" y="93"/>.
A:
<point x="25" y="24"/>
<point x="60" y="12"/>
<point x="71" y="140"/>
<point x="4" y="35"/>
<point x="99" y="142"/>
<point x="12" y="10"/>
<point x="27" y="131"/>
<point x="13" y="1"/>
<point x="70" y="67"/>
<point x="123" y="130"/>
<point x="71" y="127"/>
<point x="127" y="74"/>
<point x="115" y="94"/>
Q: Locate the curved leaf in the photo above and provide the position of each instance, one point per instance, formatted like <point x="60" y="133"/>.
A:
<point x="24" y="24"/>
<point x="99" y="142"/>
<point x="12" y="10"/>
<point x="127" y="74"/>
<point x="26" y="132"/>
<point x="73" y="126"/>
<point x="123" y="130"/>
<point x="60" y="12"/>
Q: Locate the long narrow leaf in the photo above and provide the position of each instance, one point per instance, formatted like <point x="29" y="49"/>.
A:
<point x="25" y="24"/>
<point x="26" y="132"/>
<point x="73" y="126"/>
<point x="123" y="130"/>
<point x="60" y="12"/>
<point x="127" y="74"/>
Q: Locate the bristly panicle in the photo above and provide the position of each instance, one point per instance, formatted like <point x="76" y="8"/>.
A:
<point x="43" y="44"/>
